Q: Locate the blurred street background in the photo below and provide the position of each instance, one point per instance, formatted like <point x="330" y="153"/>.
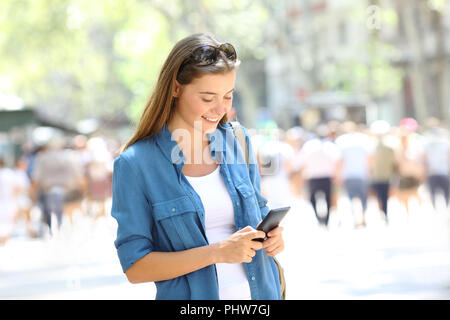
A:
<point x="347" y="103"/>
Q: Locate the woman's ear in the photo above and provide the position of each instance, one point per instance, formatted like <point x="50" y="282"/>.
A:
<point x="176" y="89"/>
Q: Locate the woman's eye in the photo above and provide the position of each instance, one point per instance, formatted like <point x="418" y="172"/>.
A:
<point x="206" y="100"/>
<point x="228" y="98"/>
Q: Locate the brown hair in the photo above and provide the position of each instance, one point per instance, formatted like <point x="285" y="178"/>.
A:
<point x="159" y="108"/>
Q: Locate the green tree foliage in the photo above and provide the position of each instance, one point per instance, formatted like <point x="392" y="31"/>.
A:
<point x="59" y="55"/>
<point x="81" y="58"/>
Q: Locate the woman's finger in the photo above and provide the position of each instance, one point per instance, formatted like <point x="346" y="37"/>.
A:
<point x="276" y="231"/>
<point x="274" y="243"/>
<point x="272" y="240"/>
<point x="275" y="251"/>
<point x="269" y="242"/>
<point x="273" y="246"/>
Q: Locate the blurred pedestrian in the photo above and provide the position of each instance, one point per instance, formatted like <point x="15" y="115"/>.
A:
<point x="353" y="167"/>
<point x="382" y="165"/>
<point x="7" y="202"/>
<point x="56" y="179"/>
<point x="437" y="162"/>
<point x="81" y="156"/>
<point x="317" y="163"/>
<point x="333" y="133"/>
<point x="295" y="137"/>
<point x="29" y="150"/>
<point x="99" y="176"/>
<point x="411" y="170"/>
<point x="23" y="194"/>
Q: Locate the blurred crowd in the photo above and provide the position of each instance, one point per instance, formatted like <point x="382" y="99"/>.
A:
<point x="52" y="180"/>
<point x="55" y="179"/>
<point x="355" y="161"/>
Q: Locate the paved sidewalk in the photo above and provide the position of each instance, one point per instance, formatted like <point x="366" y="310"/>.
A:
<point x="409" y="259"/>
<point x="78" y="263"/>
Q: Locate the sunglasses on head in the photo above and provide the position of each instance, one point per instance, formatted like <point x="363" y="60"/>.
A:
<point x="207" y="55"/>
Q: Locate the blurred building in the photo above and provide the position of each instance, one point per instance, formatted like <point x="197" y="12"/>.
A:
<point x="358" y="60"/>
<point x="423" y="39"/>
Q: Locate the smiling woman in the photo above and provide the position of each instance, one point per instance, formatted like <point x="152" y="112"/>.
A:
<point x="189" y="227"/>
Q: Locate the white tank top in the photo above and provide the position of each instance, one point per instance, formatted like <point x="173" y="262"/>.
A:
<point x="219" y="224"/>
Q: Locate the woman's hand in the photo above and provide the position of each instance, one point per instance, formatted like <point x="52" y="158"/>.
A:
<point x="274" y="243"/>
<point x="239" y="247"/>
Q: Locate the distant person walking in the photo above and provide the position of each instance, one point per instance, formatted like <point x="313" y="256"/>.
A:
<point x="353" y="166"/>
<point x="437" y="162"/>
<point x="99" y="176"/>
<point x="411" y="170"/>
<point x="56" y="174"/>
<point x="382" y="165"/>
<point x="23" y="194"/>
<point x="317" y="163"/>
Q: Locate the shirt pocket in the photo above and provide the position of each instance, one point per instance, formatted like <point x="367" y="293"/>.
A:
<point x="249" y="203"/>
<point x="178" y="223"/>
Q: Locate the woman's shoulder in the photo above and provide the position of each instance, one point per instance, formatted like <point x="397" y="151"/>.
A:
<point x="139" y="151"/>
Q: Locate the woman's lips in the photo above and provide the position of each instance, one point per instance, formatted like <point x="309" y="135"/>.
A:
<point x="210" y="119"/>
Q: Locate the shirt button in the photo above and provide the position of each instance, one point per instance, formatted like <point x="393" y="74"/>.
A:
<point x="253" y="278"/>
<point x="237" y="203"/>
<point x="173" y="209"/>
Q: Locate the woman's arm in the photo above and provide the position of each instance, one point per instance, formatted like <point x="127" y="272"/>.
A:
<point x="159" y="266"/>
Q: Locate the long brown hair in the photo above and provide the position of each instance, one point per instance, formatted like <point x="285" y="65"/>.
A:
<point x="159" y="108"/>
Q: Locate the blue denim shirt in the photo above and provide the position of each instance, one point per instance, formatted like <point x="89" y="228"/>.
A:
<point x="158" y="210"/>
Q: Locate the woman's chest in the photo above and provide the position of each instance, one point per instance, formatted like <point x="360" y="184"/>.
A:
<point x="192" y="206"/>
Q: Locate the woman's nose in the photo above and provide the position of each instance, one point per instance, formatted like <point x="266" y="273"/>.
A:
<point x="220" y="108"/>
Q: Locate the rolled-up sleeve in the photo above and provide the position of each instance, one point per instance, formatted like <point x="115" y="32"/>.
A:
<point x="133" y="212"/>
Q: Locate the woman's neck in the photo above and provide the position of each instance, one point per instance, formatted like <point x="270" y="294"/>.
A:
<point x="193" y="143"/>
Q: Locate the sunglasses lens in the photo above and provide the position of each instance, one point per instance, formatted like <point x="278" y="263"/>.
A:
<point x="204" y="55"/>
<point x="229" y="51"/>
<point x="208" y="55"/>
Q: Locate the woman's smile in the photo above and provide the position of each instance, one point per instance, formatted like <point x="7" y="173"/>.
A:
<point x="211" y="119"/>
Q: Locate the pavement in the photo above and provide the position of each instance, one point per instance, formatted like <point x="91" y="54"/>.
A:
<point x="407" y="259"/>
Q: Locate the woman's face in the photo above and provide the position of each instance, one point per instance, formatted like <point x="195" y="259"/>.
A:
<point x="204" y="101"/>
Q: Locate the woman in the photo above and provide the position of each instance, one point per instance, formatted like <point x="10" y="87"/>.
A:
<point x="186" y="204"/>
<point x="411" y="171"/>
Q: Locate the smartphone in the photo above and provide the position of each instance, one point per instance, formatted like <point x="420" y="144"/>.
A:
<point x="271" y="221"/>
